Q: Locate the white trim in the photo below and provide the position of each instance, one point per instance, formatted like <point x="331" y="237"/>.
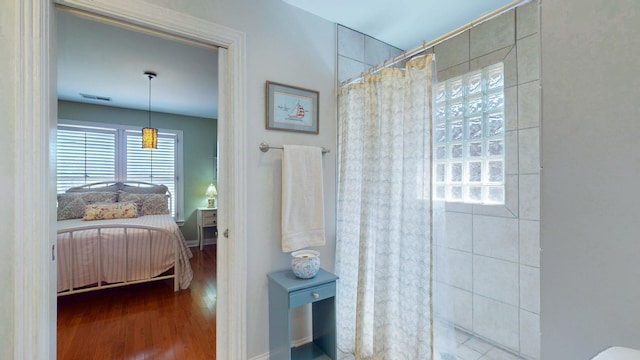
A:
<point x="34" y="130"/>
<point x="34" y="291"/>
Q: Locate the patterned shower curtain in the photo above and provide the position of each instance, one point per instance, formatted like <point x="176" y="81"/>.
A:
<point x="386" y="218"/>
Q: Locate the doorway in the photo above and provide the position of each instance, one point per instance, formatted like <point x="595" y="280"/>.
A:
<point x="33" y="338"/>
<point x="100" y="66"/>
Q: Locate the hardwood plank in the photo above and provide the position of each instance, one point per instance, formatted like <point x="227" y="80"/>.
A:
<point x="144" y="321"/>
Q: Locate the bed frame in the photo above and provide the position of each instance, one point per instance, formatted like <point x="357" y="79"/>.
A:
<point x="99" y="228"/>
<point x="98" y="265"/>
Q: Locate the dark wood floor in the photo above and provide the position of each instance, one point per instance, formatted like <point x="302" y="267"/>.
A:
<point x="145" y="321"/>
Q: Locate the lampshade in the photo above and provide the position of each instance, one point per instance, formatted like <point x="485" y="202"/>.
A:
<point x="149" y="138"/>
<point x="211" y="191"/>
<point x="149" y="134"/>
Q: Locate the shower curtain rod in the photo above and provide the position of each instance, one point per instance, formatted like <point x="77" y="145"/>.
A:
<point x="426" y="45"/>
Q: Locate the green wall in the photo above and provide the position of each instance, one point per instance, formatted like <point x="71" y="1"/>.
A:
<point x="199" y="147"/>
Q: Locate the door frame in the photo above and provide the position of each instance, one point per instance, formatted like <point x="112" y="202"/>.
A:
<point x="34" y="242"/>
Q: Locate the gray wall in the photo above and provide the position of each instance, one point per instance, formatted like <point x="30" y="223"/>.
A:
<point x="199" y="148"/>
<point x="9" y="39"/>
<point x="590" y="198"/>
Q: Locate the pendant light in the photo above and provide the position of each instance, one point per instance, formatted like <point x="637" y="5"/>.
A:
<point x="149" y="134"/>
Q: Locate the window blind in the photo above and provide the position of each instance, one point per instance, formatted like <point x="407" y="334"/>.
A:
<point x="157" y="166"/>
<point x="88" y="154"/>
<point x="85" y="156"/>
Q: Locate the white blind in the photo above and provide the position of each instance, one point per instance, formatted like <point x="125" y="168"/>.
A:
<point x="85" y="156"/>
<point x="157" y="166"/>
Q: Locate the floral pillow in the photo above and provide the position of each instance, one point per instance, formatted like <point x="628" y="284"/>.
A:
<point x="151" y="204"/>
<point x="101" y="211"/>
<point x="71" y="206"/>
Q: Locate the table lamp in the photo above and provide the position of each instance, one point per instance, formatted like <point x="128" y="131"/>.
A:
<point x="211" y="192"/>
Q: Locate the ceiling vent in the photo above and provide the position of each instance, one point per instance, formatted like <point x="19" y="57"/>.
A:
<point x="95" y="97"/>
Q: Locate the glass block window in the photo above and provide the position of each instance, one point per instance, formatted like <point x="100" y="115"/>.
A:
<point x="469" y="142"/>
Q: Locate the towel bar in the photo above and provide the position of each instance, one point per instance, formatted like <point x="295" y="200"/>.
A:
<point x="264" y="147"/>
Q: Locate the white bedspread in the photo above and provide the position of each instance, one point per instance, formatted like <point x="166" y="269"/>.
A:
<point x="149" y="256"/>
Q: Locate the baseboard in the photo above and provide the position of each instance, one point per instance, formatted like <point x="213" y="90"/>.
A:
<point x="195" y="243"/>
<point x="294" y="343"/>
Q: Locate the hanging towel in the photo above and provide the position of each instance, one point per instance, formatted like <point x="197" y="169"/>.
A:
<point x="302" y="197"/>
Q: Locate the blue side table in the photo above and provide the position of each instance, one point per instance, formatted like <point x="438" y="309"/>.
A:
<point x="286" y="292"/>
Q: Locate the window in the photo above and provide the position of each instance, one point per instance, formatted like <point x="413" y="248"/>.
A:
<point x="469" y="137"/>
<point x="89" y="153"/>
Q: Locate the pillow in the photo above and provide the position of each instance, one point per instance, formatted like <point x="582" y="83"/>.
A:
<point x="71" y="206"/>
<point x="101" y="211"/>
<point x="152" y="204"/>
<point x="155" y="189"/>
<point x="109" y="188"/>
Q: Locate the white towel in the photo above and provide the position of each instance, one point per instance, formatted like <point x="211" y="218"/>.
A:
<point x="302" y="197"/>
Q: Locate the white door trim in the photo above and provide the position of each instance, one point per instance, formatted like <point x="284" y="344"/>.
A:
<point x="35" y="298"/>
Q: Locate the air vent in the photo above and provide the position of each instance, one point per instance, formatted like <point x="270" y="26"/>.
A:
<point x="95" y="97"/>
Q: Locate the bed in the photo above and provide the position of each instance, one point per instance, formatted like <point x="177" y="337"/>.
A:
<point x="115" y="234"/>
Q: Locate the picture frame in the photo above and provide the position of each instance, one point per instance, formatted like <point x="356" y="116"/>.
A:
<point x="291" y="108"/>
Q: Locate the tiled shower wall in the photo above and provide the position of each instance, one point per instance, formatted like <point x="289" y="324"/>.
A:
<point x="490" y="263"/>
<point x="358" y="52"/>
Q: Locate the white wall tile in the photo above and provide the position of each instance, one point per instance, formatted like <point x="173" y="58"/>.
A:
<point x="493" y="35"/>
<point x="496" y="321"/>
<point x="460" y="268"/>
<point x="528" y="59"/>
<point x="490" y="58"/>
<point x="530" y="243"/>
<point x="511" y="69"/>
<point x="458" y="207"/>
<point x="530" y="334"/>
<point x="511" y="152"/>
<point x="349" y="68"/>
<point x="455" y="305"/>
<point x="351" y="44"/>
<point x="529" y="105"/>
<point x="453" y="71"/>
<point x="496" y="279"/>
<point x="452" y="52"/>
<point x="375" y="51"/>
<point x="529" y="150"/>
<point x="529" y="193"/>
<point x="530" y="288"/>
<point x="527" y="19"/>
<point x="512" y="195"/>
<point x="511" y="107"/>
<point x="459" y="231"/>
<point x="495" y="237"/>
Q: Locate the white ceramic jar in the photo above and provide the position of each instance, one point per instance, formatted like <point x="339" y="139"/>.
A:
<point x="305" y="263"/>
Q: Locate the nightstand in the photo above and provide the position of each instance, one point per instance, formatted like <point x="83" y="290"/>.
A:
<point x="286" y="292"/>
<point x="207" y="217"/>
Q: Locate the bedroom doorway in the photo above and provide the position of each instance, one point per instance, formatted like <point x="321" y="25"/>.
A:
<point x="115" y="100"/>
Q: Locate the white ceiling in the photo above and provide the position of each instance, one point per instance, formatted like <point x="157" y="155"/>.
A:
<point x="404" y="24"/>
<point x="109" y="61"/>
<point x="101" y="59"/>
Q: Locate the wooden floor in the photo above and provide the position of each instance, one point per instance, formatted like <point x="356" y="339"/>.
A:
<point x="145" y="321"/>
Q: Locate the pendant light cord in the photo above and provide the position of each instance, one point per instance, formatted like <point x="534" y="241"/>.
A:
<point x="150" y="77"/>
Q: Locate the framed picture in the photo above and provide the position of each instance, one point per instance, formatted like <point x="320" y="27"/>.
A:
<point x="291" y="108"/>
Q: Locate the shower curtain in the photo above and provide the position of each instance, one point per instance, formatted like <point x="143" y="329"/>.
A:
<point x="386" y="217"/>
